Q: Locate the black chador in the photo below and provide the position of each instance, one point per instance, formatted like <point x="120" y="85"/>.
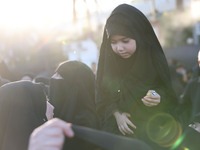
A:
<point x="22" y="109"/>
<point x="122" y="83"/>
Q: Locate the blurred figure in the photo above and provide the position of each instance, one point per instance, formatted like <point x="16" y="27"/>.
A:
<point x="27" y="77"/>
<point x="190" y="101"/>
<point x="196" y="72"/>
<point x="182" y="74"/>
<point x="44" y="78"/>
<point x="23" y="107"/>
<point x="176" y="82"/>
<point x="94" y="67"/>
<point x="189" y="113"/>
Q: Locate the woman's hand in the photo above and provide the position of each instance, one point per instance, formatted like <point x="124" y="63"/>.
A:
<point x="151" y="99"/>
<point x="123" y="122"/>
<point x="50" y="136"/>
<point x="195" y="126"/>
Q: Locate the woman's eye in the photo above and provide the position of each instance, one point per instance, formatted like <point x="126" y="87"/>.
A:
<point x="113" y="42"/>
<point x="125" y="41"/>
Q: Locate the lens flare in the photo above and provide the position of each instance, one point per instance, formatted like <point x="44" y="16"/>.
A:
<point x="177" y="142"/>
<point x="163" y="129"/>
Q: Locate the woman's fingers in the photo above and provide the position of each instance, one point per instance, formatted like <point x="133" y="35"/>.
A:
<point x="153" y="97"/>
<point x="153" y="94"/>
<point x="121" y="129"/>
<point x="150" y="100"/>
<point x="123" y="122"/>
<point x="126" y="114"/>
<point x="128" y="122"/>
<point x="127" y="129"/>
<point x="131" y="124"/>
<point x="147" y="103"/>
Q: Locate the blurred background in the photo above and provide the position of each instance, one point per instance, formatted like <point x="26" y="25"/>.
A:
<point x="36" y="35"/>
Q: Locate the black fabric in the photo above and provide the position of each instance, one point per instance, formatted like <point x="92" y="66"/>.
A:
<point x="189" y="108"/>
<point x="107" y="140"/>
<point x="188" y="140"/>
<point x="73" y="98"/>
<point x="43" y="77"/>
<point x="178" y="88"/>
<point x="121" y="83"/>
<point x="22" y="109"/>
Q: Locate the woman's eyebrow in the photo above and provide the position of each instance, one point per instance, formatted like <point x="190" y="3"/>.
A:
<point x="123" y="38"/>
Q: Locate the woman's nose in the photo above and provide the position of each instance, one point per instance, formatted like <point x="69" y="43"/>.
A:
<point x="119" y="47"/>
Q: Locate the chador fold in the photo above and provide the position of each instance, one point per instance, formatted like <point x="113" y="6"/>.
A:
<point x="131" y="62"/>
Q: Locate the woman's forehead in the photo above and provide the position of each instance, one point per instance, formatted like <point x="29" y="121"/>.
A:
<point x="118" y="37"/>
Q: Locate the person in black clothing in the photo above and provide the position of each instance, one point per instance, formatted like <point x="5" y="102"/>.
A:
<point x="72" y="92"/>
<point x="23" y="107"/>
<point x="131" y="63"/>
<point x="189" y="110"/>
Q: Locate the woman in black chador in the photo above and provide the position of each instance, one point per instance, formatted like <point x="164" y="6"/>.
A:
<point x="23" y="107"/>
<point x="131" y="63"/>
<point x="72" y="92"/>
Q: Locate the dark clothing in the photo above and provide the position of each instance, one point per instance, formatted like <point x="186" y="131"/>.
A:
<point x="190" y="103"/>
<point x="108" y="141"/>
<point x="176" y="83"/>
<point x="22" y="109"/>
<point x="188" y="140"/>
<point x="122" y="83"/>
<point x="196" y="72"/>
<point x="73" y="98"/>
<point x="189" y="112"/>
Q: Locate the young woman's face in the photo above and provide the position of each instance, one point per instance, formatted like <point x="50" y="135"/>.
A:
<point x="49" y="111"/>
<point x="123" y="46"/>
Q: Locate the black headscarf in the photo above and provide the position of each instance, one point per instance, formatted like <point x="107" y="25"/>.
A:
<point x="22" y="109"/>
<point x="73" y="96"/>
<point x="121" y="83"/>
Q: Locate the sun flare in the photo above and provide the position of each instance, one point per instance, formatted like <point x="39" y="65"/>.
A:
<point x="22" y="14"/>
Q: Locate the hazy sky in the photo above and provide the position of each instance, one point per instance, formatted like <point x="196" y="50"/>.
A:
<point x="19" y="14"/>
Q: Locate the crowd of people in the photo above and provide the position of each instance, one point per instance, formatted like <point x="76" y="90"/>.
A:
<point x="134" y="101"/>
